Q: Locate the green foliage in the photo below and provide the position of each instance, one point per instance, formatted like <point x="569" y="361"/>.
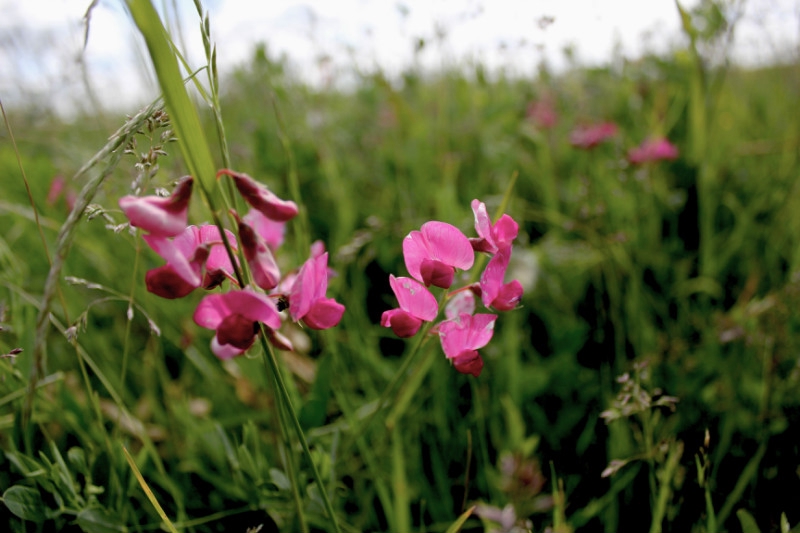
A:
<point x="651" y="368"/>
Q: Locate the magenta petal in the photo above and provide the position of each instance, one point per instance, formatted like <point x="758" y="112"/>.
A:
<point x="324" y="313"/>
<point x="483" y="224"/>
<point x="414" y="298"/>
<point x="165" y="282"/>
<point x="414" y="252"/>
<point x="403" y="324"/>
<point x="436" y="273"/>
<point x="504" y="231"/>
<point x="160" y="216"/>
<point x="447" y="244"/>
<point x="310" y="285"/>
<point x="214" y="308"/>
<point x="468" y="362"/>
<point x="508" y="297"/>
<point x="259" y="257"/>
<point x="261" y="198"/>
<point x="460" y="302"/>
<point x="272" y="231"/>
<point x="466" y="333"/>
<point x="492" y="277"/>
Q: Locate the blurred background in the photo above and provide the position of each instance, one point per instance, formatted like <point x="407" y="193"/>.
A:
<point x="61" y="55"/>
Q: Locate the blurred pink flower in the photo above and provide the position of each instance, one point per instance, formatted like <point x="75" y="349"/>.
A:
<point x="417" y="305"/>
<point x="492" y="237"/>
<point x="165" y="217"/>
<point x="263" y="266"/>
<point x="589" y="136"/>
<point x="186" y="255"/>
<point x="260" y="197"/>
<point x="433" y="253"/>
<point x="654" y="149"/>
<point x="494" y="292"/>
<point x="235" y="316"/>
<point x="272" y="231"/>
<point x="461" y="337"/>
<point x="542" y="113"/>
<point x="307" y="301"/>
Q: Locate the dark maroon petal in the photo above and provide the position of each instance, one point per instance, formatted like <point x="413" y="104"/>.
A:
<point x="165" y="282"/>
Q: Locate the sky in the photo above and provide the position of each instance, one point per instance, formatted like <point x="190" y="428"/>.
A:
<point x="42" y="53"/>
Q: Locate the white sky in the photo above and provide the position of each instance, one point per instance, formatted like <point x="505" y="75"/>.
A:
<point x="41" y="40"/>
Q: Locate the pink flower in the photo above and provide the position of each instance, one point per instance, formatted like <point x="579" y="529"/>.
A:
<point x="263" y="266"/>
<point x="417" y="304"/>
<point x="654" y="149"/>
<point x="461" y="337"/>
<point x="164" y="217"/>
<point x="587" y="137"/>
<point x="307" y="301"/>
<point x="235" y="316"/>
<point x="186" y="255"/>
<point x="492" y="237"/>
<point x="542" y="113"/>
<point x="433" y="253"/>
<point x="261" y="198"/>
<point x="494" y="292"/>
<point x="270" y="230"/>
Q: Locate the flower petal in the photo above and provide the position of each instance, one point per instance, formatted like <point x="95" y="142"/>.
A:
<point x="324" y="313"/>
<point x="160" y="216"/>
<point x="414" y="298"/>
<point x="261" y="198"/>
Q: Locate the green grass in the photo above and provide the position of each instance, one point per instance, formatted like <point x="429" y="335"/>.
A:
<point x="682" y="274"/>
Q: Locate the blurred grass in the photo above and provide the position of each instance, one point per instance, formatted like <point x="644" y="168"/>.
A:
<point x="687" y="269"/>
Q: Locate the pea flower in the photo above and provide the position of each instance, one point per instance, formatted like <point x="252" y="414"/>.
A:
<point x="260" y="197"/>
<point x="417" y="305"/>
<point x="164" y="217"/>
<point x="492" y="237"/>
<point x="433" y="253"/>
<point x="307" y="301"/>
<point x="462" y="336"/>
<point x="654" y="149"/>
<point x="263" y="266"/>
<point x="187" y="254"/>
<point x="495" y="293"/>
<point x="235" y="316"/>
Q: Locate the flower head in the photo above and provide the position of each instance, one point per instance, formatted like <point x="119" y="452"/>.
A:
<point x="417" y="305"/>
<point x="433" y="253"/>
<point x="589" y="136"/>
<point x="186" y="255"/>
<point x="461" y="337"/>
<point x="495" y="293"/>
<point x="542" y="113"/>
<point x="164" y="217"/>
<point x="263" y="266"/>
<point x="260" y="197"/>
<point x="654" y="149"/>
<point x="307" y="300"/>
<point x="492" y="237"/>
<point x="235" y="316"/>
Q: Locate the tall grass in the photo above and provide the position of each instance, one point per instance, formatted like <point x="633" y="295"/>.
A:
<point x="649" y="380"/>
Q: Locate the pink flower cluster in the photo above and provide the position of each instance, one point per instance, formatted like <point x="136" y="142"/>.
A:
<point x="196" y="256"/>
<point x="432" y="256"/>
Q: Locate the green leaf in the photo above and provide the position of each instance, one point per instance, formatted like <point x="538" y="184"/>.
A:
<point x="26" y="503"/>
<point x="456" y="526"/>
<point x="747" y="521"/>
<point x="98" y="520"/>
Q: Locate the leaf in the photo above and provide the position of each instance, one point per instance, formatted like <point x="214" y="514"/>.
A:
<point x="99" y="520"/>
<point x="456" y="526"/>
<point x="26" y="503"/>
<point x="747" y="521"/>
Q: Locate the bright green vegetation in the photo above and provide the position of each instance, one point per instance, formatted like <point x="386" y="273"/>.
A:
<point x="681" y="274"/>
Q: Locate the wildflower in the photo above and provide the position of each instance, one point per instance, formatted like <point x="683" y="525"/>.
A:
<point x="270" y="230"/>
<point x="307" y="301"/>
<point x="235" y="316"/>
<point x="186" y="255"/>
<point x="654" y="149"/>
<point x="494" y="292"/>
<point x="492" y="237"/>
<point x="462" y="336"/>
<point x="433" y="253"/>
<point x="589" y="136"/>
<point x="164" y="217"/>
<point x="417" y="305"/>
<point x="261" y="198"/>
<point x="259" y="257"/>
<point x="542" y="113"/>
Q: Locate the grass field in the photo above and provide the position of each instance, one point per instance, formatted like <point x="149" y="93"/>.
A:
<point x="647" y="379"/>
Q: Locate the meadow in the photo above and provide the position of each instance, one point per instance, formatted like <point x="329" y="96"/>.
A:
<point x="645" y="380"/>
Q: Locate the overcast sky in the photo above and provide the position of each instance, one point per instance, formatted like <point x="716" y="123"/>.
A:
<point x="41" y="40"/>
